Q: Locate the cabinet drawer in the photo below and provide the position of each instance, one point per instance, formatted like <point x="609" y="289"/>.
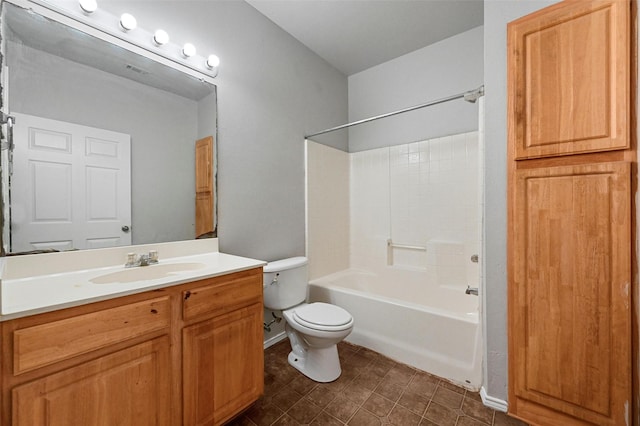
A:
<point x="222" y="294"/>
<point x="45" y="344"/>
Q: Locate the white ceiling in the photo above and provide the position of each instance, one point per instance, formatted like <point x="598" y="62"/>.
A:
<point x="354" y="35"/>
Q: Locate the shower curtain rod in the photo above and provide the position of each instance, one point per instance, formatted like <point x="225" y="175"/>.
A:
<point x="469" y="96"/>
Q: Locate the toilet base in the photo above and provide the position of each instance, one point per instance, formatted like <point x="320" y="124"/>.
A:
<point x="319" y="364"/>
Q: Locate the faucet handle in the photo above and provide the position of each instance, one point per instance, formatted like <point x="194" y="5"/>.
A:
<point x="132" y="260"/>
<point x="153" y="256"/>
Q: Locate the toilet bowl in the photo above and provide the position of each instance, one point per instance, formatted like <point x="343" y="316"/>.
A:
<point x="313" y="329"/>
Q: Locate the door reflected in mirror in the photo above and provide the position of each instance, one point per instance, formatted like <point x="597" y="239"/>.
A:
<point x="104" y="141"/>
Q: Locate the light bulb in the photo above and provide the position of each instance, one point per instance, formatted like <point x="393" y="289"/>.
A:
<point x="160" y="37"/>
<point x="188" y="50"/>
<point x="88" y="6"/>
<point x="128" y="22"/>
<point x="213" y="61"/>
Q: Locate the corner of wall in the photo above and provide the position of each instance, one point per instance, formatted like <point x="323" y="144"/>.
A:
<point x="491" y="402"/>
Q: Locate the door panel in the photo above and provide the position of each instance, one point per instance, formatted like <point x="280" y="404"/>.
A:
<point x="570" y="306"/>
<point x="219" y="386"/>
<point x="569" y="76"/>
<point x="129" y="388"/>
<point x="205" y="220"/>
<point x="204" y="158"/>
<point x="204" y="213"/>
<point x="71" y="186"/>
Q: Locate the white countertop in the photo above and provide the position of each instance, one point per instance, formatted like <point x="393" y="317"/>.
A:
<point x="44" y="293"/>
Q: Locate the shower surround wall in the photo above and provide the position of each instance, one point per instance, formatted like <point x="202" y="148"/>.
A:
<point x="426" y="195"/>
<point x="327" y="209"/>
<point x="423" y="194"/>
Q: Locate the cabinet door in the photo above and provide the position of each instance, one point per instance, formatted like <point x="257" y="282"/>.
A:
<point x="204" y="187"/>
<point x="204" y="169"/>
<point x="204" y="213"/>
<point x="128" y="388"/>
<point x="569" y="301"/>
<point x="223" y="366"/>
<point x="569" y="79"/>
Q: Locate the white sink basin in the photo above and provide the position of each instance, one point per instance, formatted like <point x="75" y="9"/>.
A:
<point x="144" y="273"/>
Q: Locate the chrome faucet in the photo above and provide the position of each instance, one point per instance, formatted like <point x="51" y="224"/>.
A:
<point x="471" y="290"/>
<point x="134" y="259"/>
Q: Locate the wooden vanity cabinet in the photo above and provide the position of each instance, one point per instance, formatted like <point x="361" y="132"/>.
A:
<point x="222" y="344"/>
<point x="213" y="394"/>
<point x="136" y="360"/>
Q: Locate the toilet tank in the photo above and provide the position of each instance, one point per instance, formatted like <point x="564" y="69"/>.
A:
<point x="285" y="283"/>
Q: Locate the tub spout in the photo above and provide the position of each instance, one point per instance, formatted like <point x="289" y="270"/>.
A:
<point x="471" y="290"/>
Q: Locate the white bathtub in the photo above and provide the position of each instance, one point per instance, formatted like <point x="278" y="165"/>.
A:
<point x="401" y="314"/>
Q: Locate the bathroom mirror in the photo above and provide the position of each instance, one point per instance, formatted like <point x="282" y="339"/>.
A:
<point x="138" y="121"/>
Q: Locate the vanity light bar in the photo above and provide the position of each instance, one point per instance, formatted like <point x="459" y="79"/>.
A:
<point x="160" y="38"/>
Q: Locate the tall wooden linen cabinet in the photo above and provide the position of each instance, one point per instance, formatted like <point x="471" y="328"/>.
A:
<point x="572" y="165"/>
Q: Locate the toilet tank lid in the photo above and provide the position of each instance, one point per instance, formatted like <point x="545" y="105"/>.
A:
<point x="284" y="264"/>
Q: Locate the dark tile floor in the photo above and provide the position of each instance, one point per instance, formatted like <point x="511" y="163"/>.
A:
<point x="372" y="390"/>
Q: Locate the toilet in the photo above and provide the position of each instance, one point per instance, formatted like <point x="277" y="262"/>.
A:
<point x="313" y="329"/>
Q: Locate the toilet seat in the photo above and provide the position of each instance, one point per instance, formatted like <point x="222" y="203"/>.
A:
<point x="323" y="317"/>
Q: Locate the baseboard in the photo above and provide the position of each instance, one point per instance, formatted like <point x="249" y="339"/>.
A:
<point x="275" y="339"/>
<point x="491" y="402"/>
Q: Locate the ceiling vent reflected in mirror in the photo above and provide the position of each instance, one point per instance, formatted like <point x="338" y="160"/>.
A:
<point x="136" y="69"/>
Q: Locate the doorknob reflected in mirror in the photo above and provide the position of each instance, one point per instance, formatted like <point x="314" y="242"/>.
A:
<point x="125" y="228"/>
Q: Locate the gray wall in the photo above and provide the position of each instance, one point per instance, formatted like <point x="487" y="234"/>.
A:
<point x="163" y="128"/>
<point x="271" y="91"/>
<point x="451" y="66"/>
<point x="496" y="16"/>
